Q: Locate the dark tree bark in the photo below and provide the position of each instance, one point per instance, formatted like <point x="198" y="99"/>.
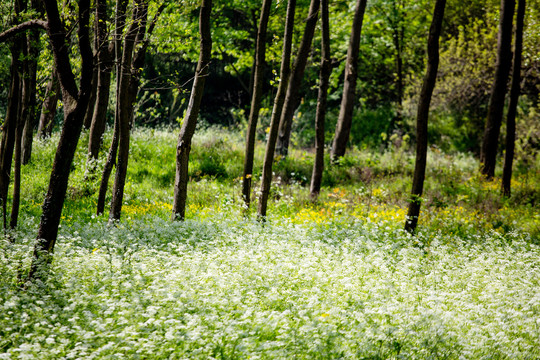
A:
<point x="125" y="106"/>
<point x="324" y="76"/>
<point x="105" y="49"/>
<point x="297" y="74"/>
<point x="107" y="169"/>
<point x="343" y="127"/>
<point x="89" y="113"/>
<point x="10" y="125"/>
<point x="22" y="27"/>
<point x="48" y="108"/>
<point x="423" y="114"/>
<point x="488" y="155"/>
<point x="398" y="32"/>
<point x="75" y="102"/>
<point x="188" y="127"/>
<point x="18" y="157"/>
<point x="259" y="64"/>
<point x="129" y="84"/>
<point x="120" y="21"/>
<point x="31" y="115"/>
<point x="512" y="106"/>
<point x="276" y="111"/>
<point x="26" y="107"/>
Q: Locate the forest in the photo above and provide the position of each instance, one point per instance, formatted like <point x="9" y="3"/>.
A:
<point x="307" y="179"/>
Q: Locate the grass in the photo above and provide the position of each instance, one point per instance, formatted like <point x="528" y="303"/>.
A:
<point x="334" y="279"/>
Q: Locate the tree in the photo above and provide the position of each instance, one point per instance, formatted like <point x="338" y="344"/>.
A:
<point x="75" y="99"/>
<point x="297" y="74"/>
<point x="324" y="76"/>
<point x="488" y="156"/>
<point x="423" y="115"/>
<point x="26" y="114"/>
<point x="259" y="65"/>
<point x="132" y="64"/>
<point x="512" y="106"/>
<point x="343" y="127"/>
<point x="10" y="125"/>
<point x="120" y="21"/>
<point x="48" y="108"/>
<point x="190" y="120"/>
<point x="276" y="111"/>
<point x="105" y="51"/>
<point x="11" y="131"/>
<point x="30" y="114"/>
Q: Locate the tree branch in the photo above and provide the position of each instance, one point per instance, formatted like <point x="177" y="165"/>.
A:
<point x="27" y="25"/>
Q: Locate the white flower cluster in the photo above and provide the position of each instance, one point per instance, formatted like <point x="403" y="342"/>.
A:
<point x="236" y="289"/>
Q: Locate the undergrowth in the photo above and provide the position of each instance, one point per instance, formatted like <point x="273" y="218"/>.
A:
<point x="335" y="278"/>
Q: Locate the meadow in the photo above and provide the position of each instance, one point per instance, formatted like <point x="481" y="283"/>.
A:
<point x="337" y="278"/>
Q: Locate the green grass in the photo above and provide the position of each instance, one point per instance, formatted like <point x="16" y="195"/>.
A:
<point x="334" y="279"/>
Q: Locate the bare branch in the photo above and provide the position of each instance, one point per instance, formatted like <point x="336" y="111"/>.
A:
<point x="27" y="25"/>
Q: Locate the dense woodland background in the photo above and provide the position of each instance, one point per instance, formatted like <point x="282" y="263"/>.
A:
<point x="392" y="31"/>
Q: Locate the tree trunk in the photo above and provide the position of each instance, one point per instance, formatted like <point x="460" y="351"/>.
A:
<point x="18" y="158"/>
<point x="343" y="127"/>
<point x="26" y="107"/>
<point x="89" y="113"/>
<point x="276" y="111"/>
<point x="397" y="37"/>
<point x="107" y="170"/>
<point x="299" y="66"/>
<point x="324" y="76"/>
<point x="488" y="156"/>
<point x="188" y="127"/>
<point x="260" y="63"/>
<point x="129" y="83"/>
<point x="31" y="116"/>
<point x="126" y="97"/>
<point x="75" y="103"/>
<point x="422" y="116"/>
<point x="512" y="106"/>
<point x="120" y="22"/>
<point x="105" y="65"/>
<point x="48" y="108"/>
<point x="9" y="126"/>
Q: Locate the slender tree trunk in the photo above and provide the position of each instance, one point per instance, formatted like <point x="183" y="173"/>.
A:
<point x="25" y="109"/>
<point x="120" y="21"/>
<point x="488" y="156"/>
<point x="343" y="127"/>
<point x="89" y="113"/>
<point x="125" y="109"/>
<point x="260" y="62"/>
<point x="48" y="108"/>
<point x="512" y="106"/>
<point x="17" y="163"/>
<point x="297" y="74"/>
<point x="75" y="103"/>
<point x="9" y="126"/>
<point x="105" y="65"/>
<point x="276" y="111"/>
<point x="30" y="116"/>
<point x="188" y="127"/>
<point x="398" y="33"/>
<point x="107" y="170"/>
<point x="422" y="116"/>
<point x="324" y="76"/>
<point x="129" y="84"/>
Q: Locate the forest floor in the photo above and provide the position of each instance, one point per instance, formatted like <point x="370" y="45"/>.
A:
<point x="337" y="278"/>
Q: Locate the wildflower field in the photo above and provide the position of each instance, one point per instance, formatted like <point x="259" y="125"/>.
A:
<point x="334" y="279"/>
